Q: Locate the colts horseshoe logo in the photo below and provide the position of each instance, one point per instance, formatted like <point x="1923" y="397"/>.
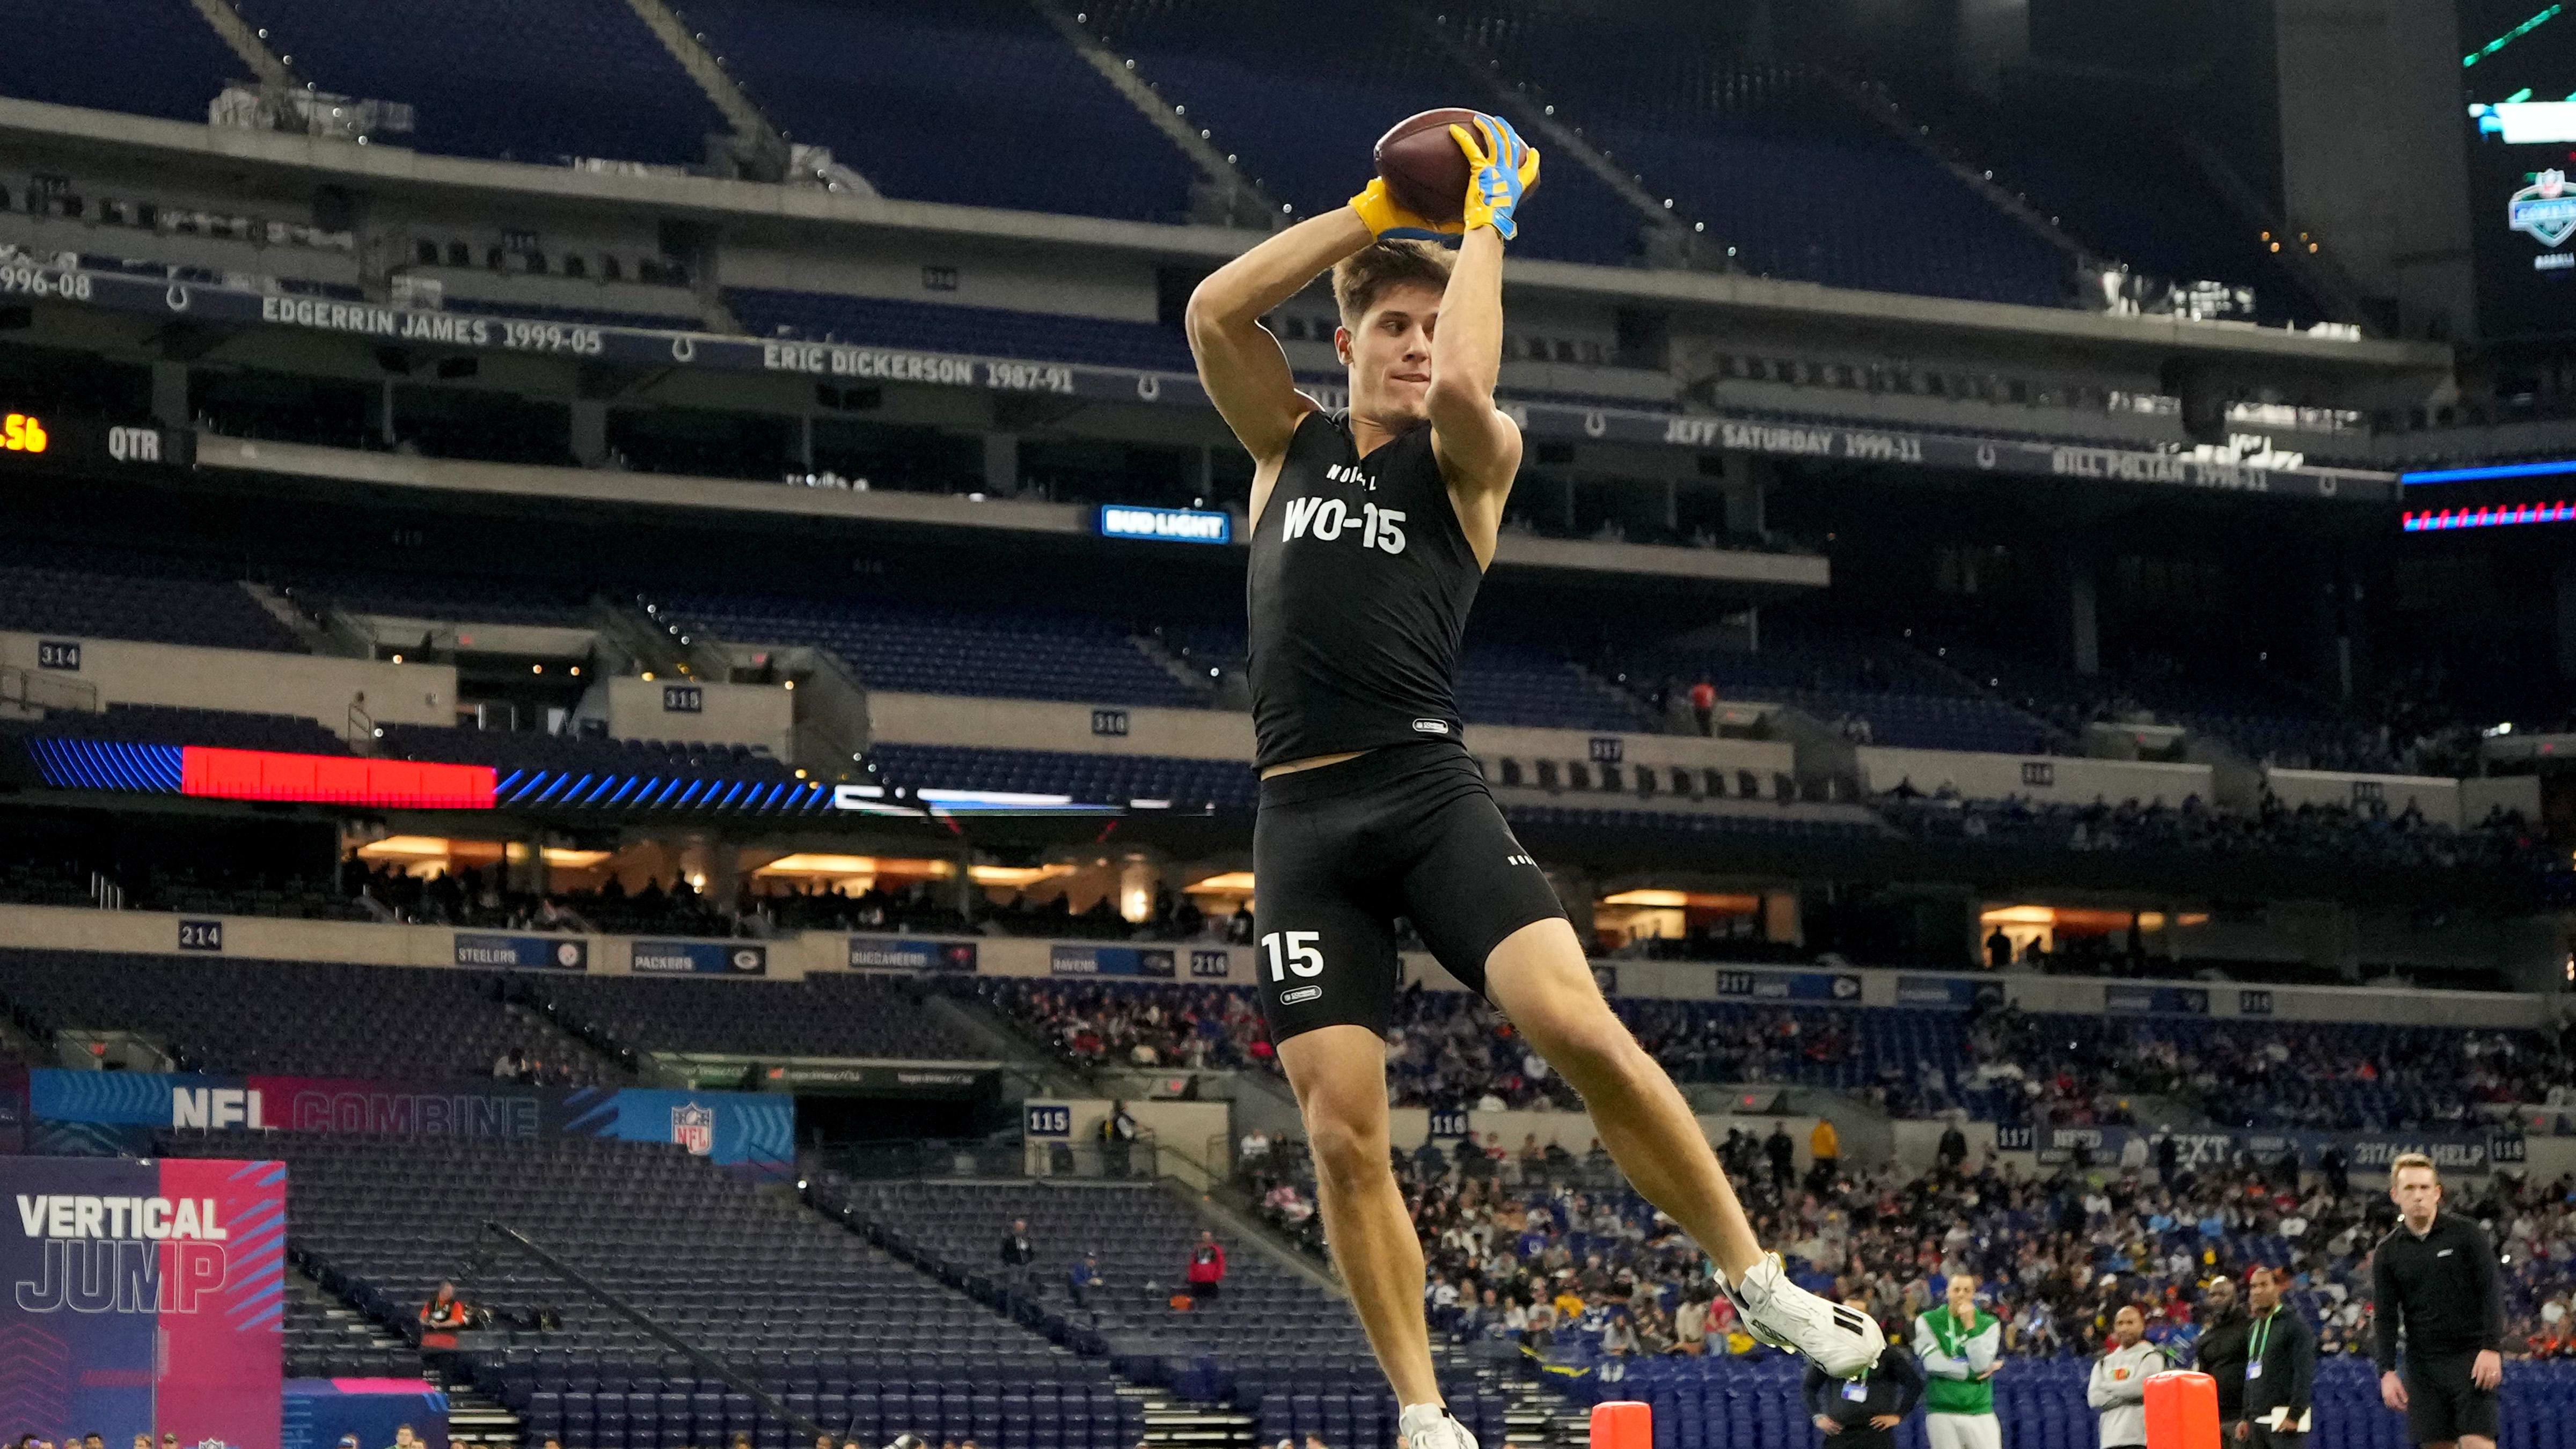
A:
<point x="177" y="297"/>
<point x="1149" y="387"/>
<point x="1594" y="425"/>
<point x="683" y="348"/>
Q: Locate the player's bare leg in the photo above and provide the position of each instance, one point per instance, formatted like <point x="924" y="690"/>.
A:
<point x="1339" y="1075"/>
<point x="1543" y="983"/>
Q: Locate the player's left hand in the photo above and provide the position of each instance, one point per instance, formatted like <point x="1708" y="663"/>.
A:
<point x="2488" y="1370"/>
<point x="1505" y="168"/>
<point x="1387" y="219"/>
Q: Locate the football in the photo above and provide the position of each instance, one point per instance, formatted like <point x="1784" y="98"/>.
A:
<point x="1423" y="168"/>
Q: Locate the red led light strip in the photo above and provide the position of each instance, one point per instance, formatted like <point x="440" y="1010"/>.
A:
<point x="332" y="780"/>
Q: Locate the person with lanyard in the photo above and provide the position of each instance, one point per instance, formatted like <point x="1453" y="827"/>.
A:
<point x="1960" y="1346"/>
<point x="2280" y="1366"/>
<point x="2118" y="1388"/>
<point x="2222" y="1351"/>
<point x="2435" y="1277"/>
<point x="1864" y="1413"/>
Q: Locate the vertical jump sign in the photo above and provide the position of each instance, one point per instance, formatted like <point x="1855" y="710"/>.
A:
<point x="144" y="1297"/>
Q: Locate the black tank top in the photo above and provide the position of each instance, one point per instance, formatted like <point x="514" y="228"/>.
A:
<point x="1360" y="584"/>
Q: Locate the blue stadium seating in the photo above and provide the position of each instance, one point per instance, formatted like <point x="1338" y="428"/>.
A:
<point x="152" y="57"/>
<point x="1907" y="700"/>
<point x="997" y="653"/>
<point x="174" y="725"/>
<point x="981" y="331"/>
<point x="1508" y="685"/>
<point x="2059" y="157"/>
<point x="114" y="595"/>
<point x="299" y="1018"/>
<point x="504" y="81"/>
<point x="1271" y="1342"/>
<point x="1301" y="92"/>
<point x="821" y="1016"/>
<point x="444" y="597"/>
<point x="1796" y="180"/>
<point x="517" y="750"/>
<point x="976" y="102"/>
<point x="840" y="1331"/>
<point x="1089" y="778"/>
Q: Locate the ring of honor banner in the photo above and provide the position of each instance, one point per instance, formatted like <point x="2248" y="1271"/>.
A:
<point x="2362" y="1151"/>
<point x="145" y="1298"/>
<point x="117" y="1113"/>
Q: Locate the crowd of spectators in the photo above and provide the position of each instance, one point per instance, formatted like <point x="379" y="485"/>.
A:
<point x="1451" y="1049"/>
<point x="1553" y="1253"/>
<point x="1092" y="1024"/>
<point x="1169" y="916"/>
<point x="479" y="898"/>
<point x="482" y="899"/>
<point x="2081" y="1070"/>
<point x="2368" y="834"/>
<point x="916" y="906"/>
<point x="1443" y="1048"/>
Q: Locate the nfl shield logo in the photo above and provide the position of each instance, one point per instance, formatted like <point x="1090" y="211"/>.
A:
<point x="2544" y="209"/>
<point x="694" y="1127"/>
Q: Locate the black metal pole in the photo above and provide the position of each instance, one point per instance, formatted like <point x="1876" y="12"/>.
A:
<point x="649" y="1324"/>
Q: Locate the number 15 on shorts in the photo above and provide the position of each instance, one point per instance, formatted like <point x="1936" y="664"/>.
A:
<point x="1300" y="955"/>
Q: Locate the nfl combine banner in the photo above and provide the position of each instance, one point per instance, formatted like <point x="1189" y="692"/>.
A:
<point x="144" y="1298"/>
<point x="118" y="1113"/>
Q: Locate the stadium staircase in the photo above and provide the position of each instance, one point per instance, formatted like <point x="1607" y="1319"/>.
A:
<point x="1191" y="677"/>
<point x="764" y="146"/>
<point x="1886" y="113"/>
<point x="1669" y="243"/>
<point x="1170" y="1422"/>
<point x="1022" y="1057"/>
<point x="1224" y="196"/>
<point x="328" y="1333"/>
<point x="315" y="637"/>
<point x="245" y="42"/>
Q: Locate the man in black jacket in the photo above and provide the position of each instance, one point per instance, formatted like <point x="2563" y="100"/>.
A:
<point x="2222" y="1351"/>
<point x="1863" y="1413"/>
<point x="1784" y="1157"/>
<point x="2280" y="1366"/>
<point x="2435" y="1276"/>
<point x="1019" y="1254"/>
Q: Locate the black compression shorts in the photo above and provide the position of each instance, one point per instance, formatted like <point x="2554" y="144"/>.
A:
<point x="1340" y="851"/>
<point x="2442" y="1403"/>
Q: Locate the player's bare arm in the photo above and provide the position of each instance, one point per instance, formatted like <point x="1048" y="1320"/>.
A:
<point x="1478" y="445"/>
<point x="1240" y="364"/>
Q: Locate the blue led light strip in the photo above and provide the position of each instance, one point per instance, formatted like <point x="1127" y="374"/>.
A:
<point x="2499" y="470"/>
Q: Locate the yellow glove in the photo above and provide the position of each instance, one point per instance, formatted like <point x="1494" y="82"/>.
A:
<point x="1505" y="168"/>
<point x="1386" y="218"/>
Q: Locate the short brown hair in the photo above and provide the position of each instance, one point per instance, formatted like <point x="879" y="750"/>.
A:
<point x="2405" y="1160"/>
<point x="1363" y="277"/>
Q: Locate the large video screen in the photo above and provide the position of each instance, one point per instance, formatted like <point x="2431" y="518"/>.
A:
<point x="2518" y="76"/>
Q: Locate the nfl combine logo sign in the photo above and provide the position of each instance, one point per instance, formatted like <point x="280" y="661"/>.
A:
<point x="2545" y="209"/>
<point x="694" y="1127"/>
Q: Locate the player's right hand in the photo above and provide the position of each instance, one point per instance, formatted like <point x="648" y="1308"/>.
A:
<point x="1388" y="220"/>
<point x="2392" y="1391"/>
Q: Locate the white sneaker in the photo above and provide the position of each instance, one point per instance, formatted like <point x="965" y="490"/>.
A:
<point x="1842" y="1341"/>
<point x="1431" y="1426"/>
